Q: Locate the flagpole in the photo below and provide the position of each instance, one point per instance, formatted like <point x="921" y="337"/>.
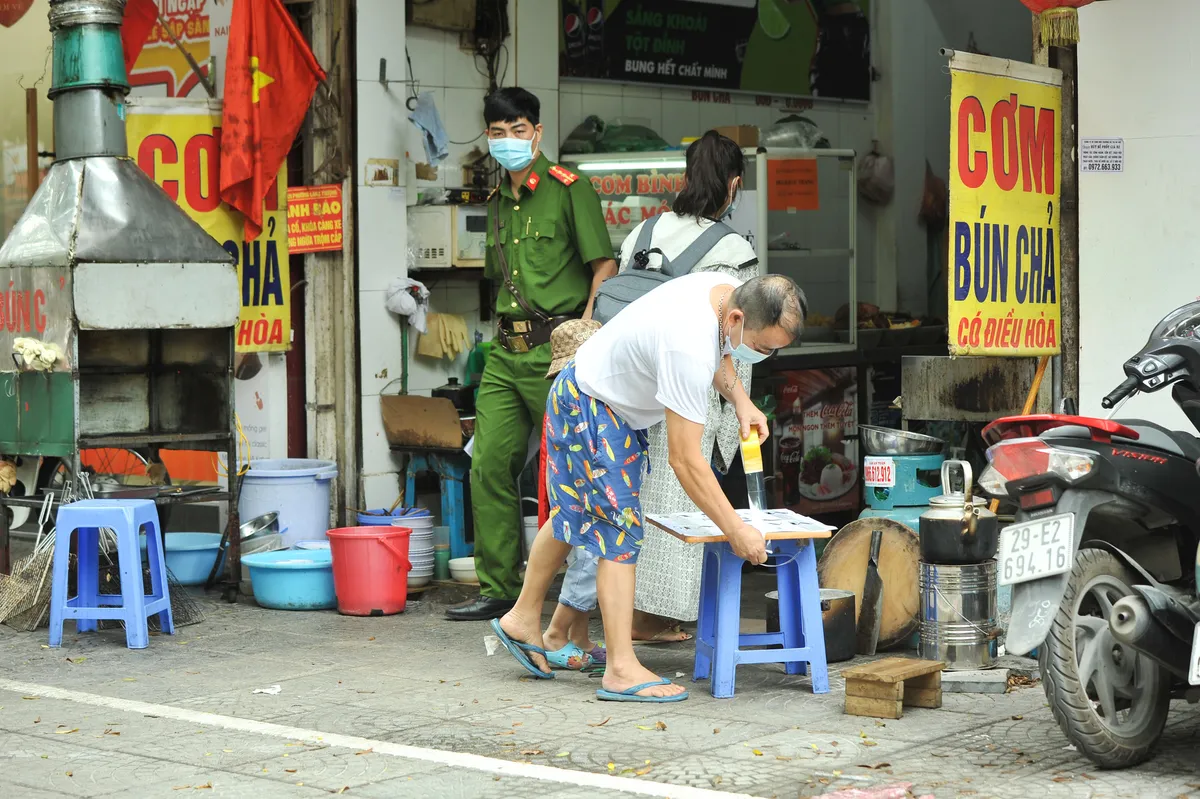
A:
<point x="208" y="87"/>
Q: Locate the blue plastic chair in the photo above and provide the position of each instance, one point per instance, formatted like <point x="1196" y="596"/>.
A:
<point x="126" y="518"/>
<point x="719" y="641"/>
<point x="452" y="469"/>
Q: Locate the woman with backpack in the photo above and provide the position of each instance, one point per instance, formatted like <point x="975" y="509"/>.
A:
<point x="668" y="574"/>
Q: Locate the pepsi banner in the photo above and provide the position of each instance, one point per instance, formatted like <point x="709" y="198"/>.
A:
<point x="809" y="48"/>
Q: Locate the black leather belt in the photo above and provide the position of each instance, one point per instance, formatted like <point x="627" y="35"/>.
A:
<point x="523" y="335"/>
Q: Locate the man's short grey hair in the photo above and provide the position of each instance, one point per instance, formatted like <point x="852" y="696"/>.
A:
<point x="770" y="300"/>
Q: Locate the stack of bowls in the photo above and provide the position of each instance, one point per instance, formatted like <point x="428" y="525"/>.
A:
<point x="420" y="547"/>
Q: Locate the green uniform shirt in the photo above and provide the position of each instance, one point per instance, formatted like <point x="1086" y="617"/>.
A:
<point x="549" y="234"/>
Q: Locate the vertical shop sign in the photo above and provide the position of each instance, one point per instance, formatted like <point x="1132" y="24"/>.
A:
<point x="177" y="143"/>
<point x="201" y="26"/>
<point x="1005" y="166"/>
<point x="314" y="218"/>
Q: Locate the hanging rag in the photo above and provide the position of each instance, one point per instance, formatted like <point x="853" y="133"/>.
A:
<point x="410" y="299"/>
<point x="433" y="135"/>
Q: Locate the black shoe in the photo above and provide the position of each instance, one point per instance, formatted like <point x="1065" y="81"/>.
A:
<point x="481" y="609"/>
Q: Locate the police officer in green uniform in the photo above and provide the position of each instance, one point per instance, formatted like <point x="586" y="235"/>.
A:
<point x="548" y="251"/>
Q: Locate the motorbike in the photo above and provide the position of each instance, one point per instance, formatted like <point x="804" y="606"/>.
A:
<point x="1102" y="554"/>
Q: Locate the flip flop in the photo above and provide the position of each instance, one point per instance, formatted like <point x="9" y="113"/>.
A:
<point x="518" y="649"/>
<point x="631" y="694"/>
<point x="570" y="657"/>
<point x="658" y="638"/>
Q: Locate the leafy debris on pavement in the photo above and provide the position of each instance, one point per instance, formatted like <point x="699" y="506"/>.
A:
<point x="599" y="723"/>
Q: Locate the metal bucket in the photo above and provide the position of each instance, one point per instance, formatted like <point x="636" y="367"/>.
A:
<point x="958" y="615"/>
<point x="837" y="619"/>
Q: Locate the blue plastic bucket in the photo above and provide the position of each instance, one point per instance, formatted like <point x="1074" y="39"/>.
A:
<point x="293" y="579"/>
<point x="381" y="518"/>
<point x="295" y="488"/>
<point x="190" y="556"/>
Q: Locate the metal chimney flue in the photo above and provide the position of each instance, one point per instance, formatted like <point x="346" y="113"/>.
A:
<point x="89" y="85"/>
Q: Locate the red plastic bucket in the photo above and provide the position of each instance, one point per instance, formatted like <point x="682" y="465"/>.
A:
<point x="370" y="569"/>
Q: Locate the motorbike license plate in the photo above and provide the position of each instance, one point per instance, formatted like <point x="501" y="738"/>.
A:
<point x="1036" y="549"/>
<point x="1194" y="669"/>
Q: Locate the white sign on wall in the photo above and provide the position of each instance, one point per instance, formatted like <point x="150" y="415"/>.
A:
<point x="1101" y="155"/>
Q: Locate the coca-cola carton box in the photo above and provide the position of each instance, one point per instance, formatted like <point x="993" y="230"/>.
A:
<point x="815" y="428"/>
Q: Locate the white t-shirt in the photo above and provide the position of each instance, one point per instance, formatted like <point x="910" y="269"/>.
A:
<point x="673" y="233"/>
<point x="661" y="351"/>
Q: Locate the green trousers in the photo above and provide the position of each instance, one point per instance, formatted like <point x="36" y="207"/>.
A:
<point x="510" y="405"/>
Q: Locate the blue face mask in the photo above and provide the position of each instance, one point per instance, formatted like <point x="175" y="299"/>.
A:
<point x="742" y="352"/>
<point x="511" y="153"/>
<point x="733" y="204"/>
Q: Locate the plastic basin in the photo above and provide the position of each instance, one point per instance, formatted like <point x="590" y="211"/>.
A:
<point x="190" y="556"/>
<point x="379" y="517"/>
<point x="292" y="579"/>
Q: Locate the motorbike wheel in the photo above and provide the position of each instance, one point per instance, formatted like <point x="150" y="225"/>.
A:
<point x="1111" y="701"/>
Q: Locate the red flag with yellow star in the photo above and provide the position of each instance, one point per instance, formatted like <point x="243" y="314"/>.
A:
<point x="270" y="77"/>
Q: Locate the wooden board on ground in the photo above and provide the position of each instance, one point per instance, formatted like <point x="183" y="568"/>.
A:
<point x="883" y="688"/>
<point x="776" y="525"/>
<point x="843" y="565"/>
<point x="420" y="422"/>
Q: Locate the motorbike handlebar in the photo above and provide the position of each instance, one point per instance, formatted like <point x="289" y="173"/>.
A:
<point x="1127" y="387"/>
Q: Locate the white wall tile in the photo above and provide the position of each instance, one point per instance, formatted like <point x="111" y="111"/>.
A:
<point x="427" y="48"/>
<point x="383" y="127"/>
<point x="381" y="490"/>
<point x="461" y="71"/>
<point x="380" y="34"/>
<point x="381" y="358"/>
<point x="382" y="237"/>
<point x="462" y="116"/>
<point x="570" y="113"/>
<point x="552" y="132"/>
<point x="642" y="111"/>
<point x="592" y="87"/>
<point x="681" y="118"/>
<point x="536" y="36"/>
<point x="606" y="106"/>
<point x="377" y="455"/>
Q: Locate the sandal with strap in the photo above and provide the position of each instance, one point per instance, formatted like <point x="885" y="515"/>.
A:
<point x="631" y="694"/>
<point x="518" y="649"/>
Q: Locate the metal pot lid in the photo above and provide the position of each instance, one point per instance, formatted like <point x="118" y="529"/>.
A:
<point x="956" y="501"/>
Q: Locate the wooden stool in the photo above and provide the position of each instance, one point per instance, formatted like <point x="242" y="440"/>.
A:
<point x="883" y="688"/>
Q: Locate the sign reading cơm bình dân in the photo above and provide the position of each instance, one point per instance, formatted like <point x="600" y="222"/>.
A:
<point x="1005" y="167"/>
<point x="314" y="218"/>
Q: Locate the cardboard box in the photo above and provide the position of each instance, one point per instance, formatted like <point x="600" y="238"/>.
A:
<point x="744" y="135"/>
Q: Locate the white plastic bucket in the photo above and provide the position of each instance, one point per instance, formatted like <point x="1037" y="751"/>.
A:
<point x="295" y="488"/>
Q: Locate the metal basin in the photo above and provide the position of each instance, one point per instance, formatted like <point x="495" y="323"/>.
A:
<point x="266" y="524"/>
<point x="885" y="441"/>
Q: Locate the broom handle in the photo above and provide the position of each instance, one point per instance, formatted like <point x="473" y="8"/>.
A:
<point x="1029" y="400"/>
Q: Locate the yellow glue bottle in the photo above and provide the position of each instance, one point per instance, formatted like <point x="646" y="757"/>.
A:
<point x="756" y="489"/>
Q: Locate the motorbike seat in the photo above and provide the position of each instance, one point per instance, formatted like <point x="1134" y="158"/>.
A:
<point x="1150" y="435"/>
<point x="1158" y="437"/>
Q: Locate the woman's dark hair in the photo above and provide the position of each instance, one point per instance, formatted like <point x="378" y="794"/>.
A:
<point x="712" y="161"/>
<point x="510" y="104"/>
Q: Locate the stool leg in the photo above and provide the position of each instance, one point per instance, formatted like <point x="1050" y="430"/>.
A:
<point x="810" y="609"/>
<point x="158" y="577"/>
<point x="787" y="581"/>
<point x="707" y="620"/>
<point x="729" y="623"/>
<point x="58" y="585"/>
<point x="87" y="575"/>
<point x="129" y="559"/>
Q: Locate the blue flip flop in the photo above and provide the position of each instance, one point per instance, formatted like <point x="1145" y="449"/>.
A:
<point x="570" y="657"/>
<point x="518" y="649"/>
<point x="631" y="694"/>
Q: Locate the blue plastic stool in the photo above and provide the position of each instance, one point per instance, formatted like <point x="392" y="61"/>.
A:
<point x="719" y="642"/>
<point x="126" y="518"/>
<point x="452" y="469"/>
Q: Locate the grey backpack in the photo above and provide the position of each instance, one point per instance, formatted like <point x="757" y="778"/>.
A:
<point x="640" y="278"/>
